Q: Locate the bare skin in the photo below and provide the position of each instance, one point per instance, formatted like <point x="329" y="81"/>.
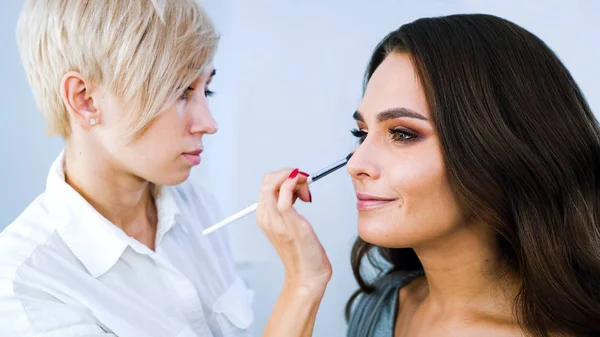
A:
<point x="116" y="175"/>
<point x="404" y="200"/>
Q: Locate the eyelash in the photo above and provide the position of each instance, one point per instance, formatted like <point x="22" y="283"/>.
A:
<point x="184" y="96"/>
<point x="359" y="134"/>
<point x="397" y="135"/>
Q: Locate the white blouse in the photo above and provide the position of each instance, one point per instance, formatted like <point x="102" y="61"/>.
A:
<point x="66" y="271"/>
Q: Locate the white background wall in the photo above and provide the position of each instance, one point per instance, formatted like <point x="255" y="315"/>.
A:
<point x="289" y="78"/>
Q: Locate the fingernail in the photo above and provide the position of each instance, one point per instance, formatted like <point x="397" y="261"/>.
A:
<point x="294" y="174"/>
<point x="304" y="173"/>
<point x="309" y="197"/>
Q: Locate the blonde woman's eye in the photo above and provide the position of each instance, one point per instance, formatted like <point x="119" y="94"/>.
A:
<point x="185" y="94"/>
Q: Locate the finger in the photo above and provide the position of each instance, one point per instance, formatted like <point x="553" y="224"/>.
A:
<point x="270" y="187"/>
<point x="271" y="193"/>
<point x="287" y="191"/>
<point x="272" y="181"/>
<point x="266" y="212"/>
<point x="268" y="216"/>
<point x="301" y="190"/>
<point x="303" y="193"/>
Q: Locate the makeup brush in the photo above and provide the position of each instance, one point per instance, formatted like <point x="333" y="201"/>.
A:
<point x="250" y="209"/>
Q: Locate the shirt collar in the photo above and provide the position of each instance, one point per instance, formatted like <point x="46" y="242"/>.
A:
<point x="169" y="213"/>
<point x="94" y="240"/>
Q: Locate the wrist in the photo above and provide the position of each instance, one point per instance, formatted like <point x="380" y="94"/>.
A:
<point x="305" y="288"/>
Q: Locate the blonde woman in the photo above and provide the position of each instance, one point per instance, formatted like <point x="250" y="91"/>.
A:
<point x="113" y="247"/>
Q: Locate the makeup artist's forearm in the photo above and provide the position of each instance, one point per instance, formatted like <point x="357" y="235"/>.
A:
<point x="294" y="312"/>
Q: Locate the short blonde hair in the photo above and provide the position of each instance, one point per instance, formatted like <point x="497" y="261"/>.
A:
<point x="147" y="52"/>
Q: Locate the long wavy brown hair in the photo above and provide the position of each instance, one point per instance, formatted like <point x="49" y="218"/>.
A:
<point x="522" y="152"/>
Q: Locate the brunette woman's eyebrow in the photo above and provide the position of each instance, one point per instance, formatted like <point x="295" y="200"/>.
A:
<point x="391" y="114"/>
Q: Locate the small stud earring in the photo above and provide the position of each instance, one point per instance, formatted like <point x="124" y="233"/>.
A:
<point x="92" y="121"/>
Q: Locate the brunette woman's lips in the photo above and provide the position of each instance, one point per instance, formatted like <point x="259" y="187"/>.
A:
<point x="193" y="156"/>
<point x="368" y="201"/>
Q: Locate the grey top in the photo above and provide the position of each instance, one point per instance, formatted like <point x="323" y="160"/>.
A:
<point x="374" y="314"/>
